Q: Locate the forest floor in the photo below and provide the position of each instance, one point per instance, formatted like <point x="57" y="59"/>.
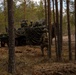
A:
<point x="30" y="62"/>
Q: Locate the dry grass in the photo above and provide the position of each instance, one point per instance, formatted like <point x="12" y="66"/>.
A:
<point x="30" y="62"/>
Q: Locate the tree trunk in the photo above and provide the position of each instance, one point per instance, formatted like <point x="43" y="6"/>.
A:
<point x="5" y="16"/>
<point x="53" y="11"/>
<point x="60" y="26"/>
<point x="24" y="9"/>
<point x="75" y="29"/>
<point x="69" y="33"/>
<point x="57" y="31"/>
<point x="49" y="28"/>
<point x="54" y="21"/>
<point x="11" y="60"/>
<point x="45" y="12"/>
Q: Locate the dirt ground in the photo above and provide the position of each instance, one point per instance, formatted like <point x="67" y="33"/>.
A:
<point x="30" y="62"/>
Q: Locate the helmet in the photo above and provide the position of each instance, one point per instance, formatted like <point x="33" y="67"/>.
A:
<point x="23" y="21"/>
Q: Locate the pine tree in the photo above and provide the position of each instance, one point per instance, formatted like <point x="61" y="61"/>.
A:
<point x="11" y="59"/>
<point x="49" y="28"/>
<point x="75" y="29"/>
<point x="69" y="33"/>
<point x="60" y="27"/>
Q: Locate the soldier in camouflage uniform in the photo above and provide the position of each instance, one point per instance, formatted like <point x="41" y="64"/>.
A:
<point x="44" y="42"/>
<point x="24" y="23"/>
<point x="44" y="39"/>
<point x="31" y="24"/>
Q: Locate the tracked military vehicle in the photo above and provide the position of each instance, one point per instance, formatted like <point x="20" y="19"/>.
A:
<point x="26" y="34"/>
<point x="30" y="34"/>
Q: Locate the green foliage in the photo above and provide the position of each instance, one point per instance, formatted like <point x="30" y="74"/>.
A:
<point x="72" y="24"/>
<point x="33" y="13"/>
<point x="40" y="11"/>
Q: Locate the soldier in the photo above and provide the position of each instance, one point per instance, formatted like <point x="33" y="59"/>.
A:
<point x="31" y="24"/>
<point x="36" y="24"/>
<point x="44" y="39"/>
<point x="44" y="42"/>
<point x="24" y="23"/>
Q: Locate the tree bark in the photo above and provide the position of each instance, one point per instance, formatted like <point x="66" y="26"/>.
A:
<point x="54" y="21"/>
<point x="60" y="28"/>
<point x="75" y="29"/>
<point x="46" y="12"/>
<point x="57" y="31"/>
<point x="24" y="9"/>
<point x="49" y="28"/>
<point x="11" y="53"/>
<point x="53" y="11"/>
<point x="69" y="33"/>
<point x="5" y="19"/>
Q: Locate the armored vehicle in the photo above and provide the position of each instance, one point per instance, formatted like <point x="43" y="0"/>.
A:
<point x="26" y="34"/>
<point x="30" y="34"/>
<point x="3" y="40"/>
